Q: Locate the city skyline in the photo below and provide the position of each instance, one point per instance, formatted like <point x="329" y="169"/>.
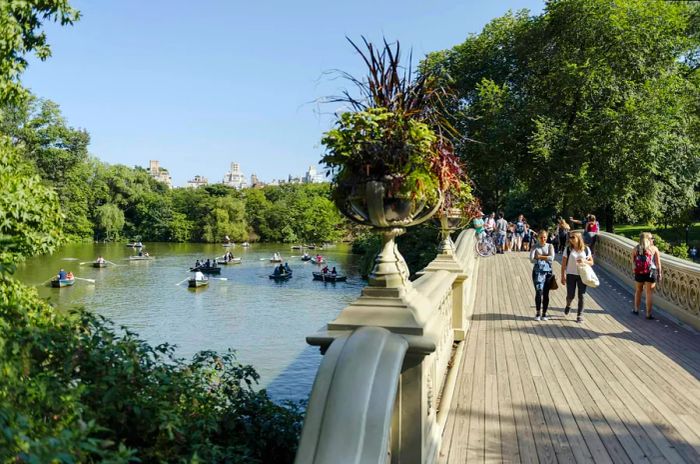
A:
<point x="199" y="84"/>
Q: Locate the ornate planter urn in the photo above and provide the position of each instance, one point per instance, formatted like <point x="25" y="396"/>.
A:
<point x="450" y="220"/>
<point x="371" y="203"/>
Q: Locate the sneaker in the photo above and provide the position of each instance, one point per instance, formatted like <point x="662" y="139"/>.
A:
<point x="566" y="311"/>
<point x="650" y="317"/>
<point x="545" y="318"/>
<point x="537" y="318"/>
<point x="579" y="319"/>
<point x="635" y="312"/>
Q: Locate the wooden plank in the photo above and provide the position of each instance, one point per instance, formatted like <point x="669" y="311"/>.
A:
<point x="613" y="389"/>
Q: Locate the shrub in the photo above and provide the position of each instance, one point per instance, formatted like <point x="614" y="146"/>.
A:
<point x="680" y="251"/>
<point x="76" y="390"/>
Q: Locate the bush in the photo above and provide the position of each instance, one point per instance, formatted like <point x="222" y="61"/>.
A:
<point x="76" y="390"/>
<point x="661" y="244"/>
<point x="680" y="251"/>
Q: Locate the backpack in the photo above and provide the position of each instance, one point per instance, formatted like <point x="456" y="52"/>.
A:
<point x="642" y="262"/>
<point x="520" y="227"/>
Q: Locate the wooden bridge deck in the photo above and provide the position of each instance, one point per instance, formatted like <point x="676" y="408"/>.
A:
<point x="616" y="388"/>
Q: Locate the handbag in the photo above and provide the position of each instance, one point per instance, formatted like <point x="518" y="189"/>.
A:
<point x="588" y="277"/>
<point x="553" y="284"/>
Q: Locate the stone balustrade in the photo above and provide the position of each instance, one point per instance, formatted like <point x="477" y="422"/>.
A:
<point x="678" y="293"/>
<point x="388" y="367"/>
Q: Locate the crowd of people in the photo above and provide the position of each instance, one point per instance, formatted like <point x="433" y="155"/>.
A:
<point x="577" y="258"/>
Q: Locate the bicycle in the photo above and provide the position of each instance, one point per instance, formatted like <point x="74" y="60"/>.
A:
<point x="485" y="246"/>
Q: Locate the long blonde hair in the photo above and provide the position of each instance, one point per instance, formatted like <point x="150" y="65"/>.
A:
<point x="576" y="241"/>
<point x="645" y="241"/>
<point x="563" y="224"/>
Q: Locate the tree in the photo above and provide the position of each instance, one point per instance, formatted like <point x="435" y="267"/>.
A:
<point x="590" y="106"/>
<point x="110" y="221"/>
<point x="21" y="34"/>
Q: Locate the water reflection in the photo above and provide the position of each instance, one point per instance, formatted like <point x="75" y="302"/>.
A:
<point x="265" y="321"/>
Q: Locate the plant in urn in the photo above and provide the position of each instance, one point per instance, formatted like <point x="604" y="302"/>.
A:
<point x="385" y="155"/>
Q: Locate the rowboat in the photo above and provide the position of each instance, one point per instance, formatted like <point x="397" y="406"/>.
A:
<point x="135" y="245"/>
<point x="328" y="277"/>
<point x="194" y="283"/>
<point x="227" y="245"/>
<point x="306" y="258"/>
<point x="245" y="244"/>
<point x="310" y="247"/>
<point x="206" y="270"/>
<point x="96" y="264"/>
<point x="141" y="258"/>
<point x="297" y="247"/>
<point x="232" y="261"/>
<point x="278" y="277"/>
<point x="60" y="283"/>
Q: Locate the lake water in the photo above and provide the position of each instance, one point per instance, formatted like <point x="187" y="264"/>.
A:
<point x="266" y="322"/>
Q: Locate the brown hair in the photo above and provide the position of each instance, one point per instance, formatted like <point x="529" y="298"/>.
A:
<point x="576" y="241"/>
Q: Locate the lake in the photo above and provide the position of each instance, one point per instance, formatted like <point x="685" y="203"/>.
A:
<point x="265" y="321"/>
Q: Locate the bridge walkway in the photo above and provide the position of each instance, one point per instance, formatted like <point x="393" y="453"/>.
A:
<point x="615" y="388"/>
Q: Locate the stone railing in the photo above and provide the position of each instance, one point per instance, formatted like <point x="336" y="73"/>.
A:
<point x="390" y="367"/>
<point x="679" y="290"/>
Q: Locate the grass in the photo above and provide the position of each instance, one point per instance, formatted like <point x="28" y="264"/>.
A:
<point x="674" y="235"/>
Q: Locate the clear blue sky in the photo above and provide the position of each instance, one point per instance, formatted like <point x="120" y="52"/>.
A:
<point x="198" y="85"/>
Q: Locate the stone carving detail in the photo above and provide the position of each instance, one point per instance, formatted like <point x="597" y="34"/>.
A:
<point x="430" y="394"/>
<point x="681" y="279"/>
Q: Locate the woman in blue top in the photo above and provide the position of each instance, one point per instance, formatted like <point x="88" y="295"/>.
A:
<point x="542" y="257"/>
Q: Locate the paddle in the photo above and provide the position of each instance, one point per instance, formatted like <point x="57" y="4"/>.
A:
<point x="92" y="281"/>
<point x="48" y="280"/>
<point x="110" y="262"/>
<point x="183" y="281"/>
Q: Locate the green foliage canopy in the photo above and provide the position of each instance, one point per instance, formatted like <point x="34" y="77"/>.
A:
<point x="591" y="106"/>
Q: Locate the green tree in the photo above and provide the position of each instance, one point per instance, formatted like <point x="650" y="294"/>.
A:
<point x="590" y="106"/>
<point x="21" y="34"/>
<point x="110" y="221"/>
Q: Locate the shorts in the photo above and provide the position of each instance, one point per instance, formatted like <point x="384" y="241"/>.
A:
<point x="642" y="278"/>
<point x="501" y="239"/>
<point x="520" y="234"/>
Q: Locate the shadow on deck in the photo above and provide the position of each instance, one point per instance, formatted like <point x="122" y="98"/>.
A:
<point x="615" y="388"/>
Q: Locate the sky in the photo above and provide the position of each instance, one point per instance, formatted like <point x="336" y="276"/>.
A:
<point x="198" y="85"/>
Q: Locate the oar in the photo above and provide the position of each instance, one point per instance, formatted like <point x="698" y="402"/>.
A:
<point x="92" y="281"/>
<point x="183" y="281"/>
<point x="110" y="262"/>
<point x="47" y="281"/>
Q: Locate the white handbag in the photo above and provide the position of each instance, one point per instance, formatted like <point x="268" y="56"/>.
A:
<point x="588" y="277"/>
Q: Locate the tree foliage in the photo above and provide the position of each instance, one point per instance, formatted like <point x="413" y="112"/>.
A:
<point x="21" y="34"/>
<point x="591" y="106"/>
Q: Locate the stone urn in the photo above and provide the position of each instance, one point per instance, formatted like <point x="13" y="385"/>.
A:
<point x="372" y="203"/>
<point x="450" y="220"/>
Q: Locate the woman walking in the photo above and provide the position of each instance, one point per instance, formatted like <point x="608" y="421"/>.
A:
<point x="575" y="253"/>
<point x="562" y="234"/>
<point x="542" y="257"/>
<point x="646" y="261"/>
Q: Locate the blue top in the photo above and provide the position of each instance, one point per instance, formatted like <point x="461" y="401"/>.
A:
<point x="62" y="275"/>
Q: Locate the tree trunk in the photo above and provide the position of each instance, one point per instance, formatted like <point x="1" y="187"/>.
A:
<point x="609" y="220"/>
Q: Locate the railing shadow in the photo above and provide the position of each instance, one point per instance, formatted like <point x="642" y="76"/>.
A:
<point x="676" y="341"/>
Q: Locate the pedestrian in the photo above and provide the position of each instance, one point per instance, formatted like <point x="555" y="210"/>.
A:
<point x="519" y="232"/>
<point x="510" y="237"/>
<point x="527" y="237"/>
<point x="490" y="224"/>
<point x="693" y="252"/>
<point x="501" y="231"/>
<point x="646" y="262"/>
<point x="591" y="227"/>
<point x="542" y="257"/>
<point x="478" y="224"/>
<point x="562" y="232"/>
<point x="575" y="253"/>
